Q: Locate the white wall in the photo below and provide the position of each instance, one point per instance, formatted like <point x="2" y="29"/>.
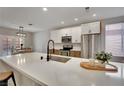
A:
<point x="40" y="40"/>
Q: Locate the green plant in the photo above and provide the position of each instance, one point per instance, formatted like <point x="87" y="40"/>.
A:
<point x="103" y="56"/>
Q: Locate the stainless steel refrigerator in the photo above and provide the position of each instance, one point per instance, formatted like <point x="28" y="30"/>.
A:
<point x="90" y="45"/>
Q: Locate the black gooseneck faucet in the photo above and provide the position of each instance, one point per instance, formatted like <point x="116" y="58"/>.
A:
<point x="48" y="50"/>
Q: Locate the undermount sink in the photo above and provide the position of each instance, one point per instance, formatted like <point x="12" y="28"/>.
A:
<point x="59" y="59"/>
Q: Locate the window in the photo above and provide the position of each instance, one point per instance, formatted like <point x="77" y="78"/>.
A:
<point x="114" y="39"/>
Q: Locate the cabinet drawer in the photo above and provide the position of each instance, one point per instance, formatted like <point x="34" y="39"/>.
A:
<point x="75" y="53"/>
<point x="72" y="54"/>
<point x="56" y="52"/>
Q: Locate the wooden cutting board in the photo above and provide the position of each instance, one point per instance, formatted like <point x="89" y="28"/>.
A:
<point x="90" y="66"/>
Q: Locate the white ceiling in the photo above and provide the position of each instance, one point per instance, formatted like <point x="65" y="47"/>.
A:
<point x="14" y="17"/>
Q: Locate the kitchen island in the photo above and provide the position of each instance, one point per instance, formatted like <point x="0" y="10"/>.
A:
<point x="54" y="73"/>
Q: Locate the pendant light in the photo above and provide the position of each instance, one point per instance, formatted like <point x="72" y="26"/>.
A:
<point x="21" y="33"/>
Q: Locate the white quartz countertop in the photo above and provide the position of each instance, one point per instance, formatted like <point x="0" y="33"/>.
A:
<point x="57" y="73"/>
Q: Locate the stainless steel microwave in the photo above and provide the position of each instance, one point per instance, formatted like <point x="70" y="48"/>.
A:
<point x="66" y="39"/>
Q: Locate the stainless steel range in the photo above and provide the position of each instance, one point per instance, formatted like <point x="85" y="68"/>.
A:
<point x="66" y="50"/>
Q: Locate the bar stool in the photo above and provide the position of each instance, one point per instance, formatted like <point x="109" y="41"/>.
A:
<point x="5" y="76"/>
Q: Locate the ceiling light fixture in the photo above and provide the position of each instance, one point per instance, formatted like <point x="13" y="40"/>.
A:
<point x="76" y="19"/>
<point x="62" y="22"/>
<point x="94" y="15"/>
<point x="45" y="9"/>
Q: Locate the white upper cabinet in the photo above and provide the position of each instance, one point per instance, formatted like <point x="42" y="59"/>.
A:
<point x="76" y="34"/>
<point x="65" y="31"/>
<point x="91" y="28"/>
<point x="85" y="28"/>
<point x="55" y="35"/>
<point x="95" y="27"/>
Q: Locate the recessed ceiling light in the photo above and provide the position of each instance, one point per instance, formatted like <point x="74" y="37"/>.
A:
<point x="94" y="15"/>
<point x="62" y="22"/>
<point x="45" y="9"/>
<point x="76" y="19"/>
